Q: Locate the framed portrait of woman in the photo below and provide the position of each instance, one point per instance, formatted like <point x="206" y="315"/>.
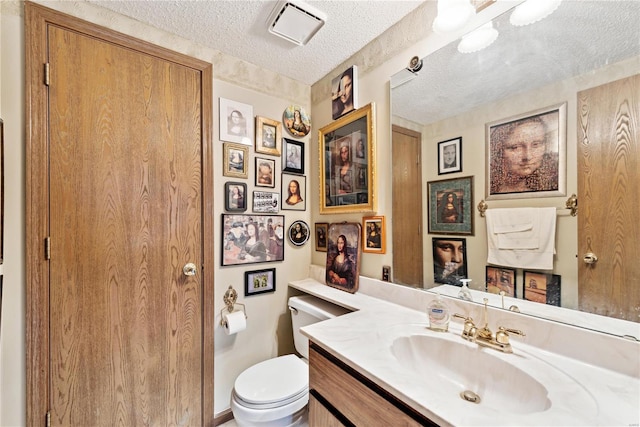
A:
<point x="343" y="256"/>
<point x="236" y="122"/>
<point x="450" y="206"/>
<point x="250" y="239"/>
<point x="293" y="156"/>
<point x="235" y="160"/>
<point x="526" y="155"/>
<point x="268" y="135"/>
<point x="236" y="196"/>
<point x="347" y="163"/>
<point x="373" y="234"/>
<point x="294" y="189"/>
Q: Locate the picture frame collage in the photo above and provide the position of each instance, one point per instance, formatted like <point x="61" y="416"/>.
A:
<point x="266" y="174"/>
<point x="450" y="205"/>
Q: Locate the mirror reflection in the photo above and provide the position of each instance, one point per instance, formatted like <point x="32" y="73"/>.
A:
<point x="527" y="68"/>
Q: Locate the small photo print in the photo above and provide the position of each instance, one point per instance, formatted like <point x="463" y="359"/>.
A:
<point x="541" y="287"/>
<point x="293" y="192"/>
<point x="501" y="279"/>
<point x="236" y="122"/>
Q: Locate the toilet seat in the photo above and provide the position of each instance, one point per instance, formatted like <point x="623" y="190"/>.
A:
<point x="273" y="383"/>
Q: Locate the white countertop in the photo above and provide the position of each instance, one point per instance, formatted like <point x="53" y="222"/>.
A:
<point x="580" y="393"/>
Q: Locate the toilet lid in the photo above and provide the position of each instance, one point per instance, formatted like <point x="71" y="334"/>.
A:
<point x="273" y="380"/>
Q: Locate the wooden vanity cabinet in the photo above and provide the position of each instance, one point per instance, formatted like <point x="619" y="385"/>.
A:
<point x="340" y="396"/>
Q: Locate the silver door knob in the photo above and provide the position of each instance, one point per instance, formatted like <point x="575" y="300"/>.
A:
<point x="590" y="258"/>
<point x="189" y="269"/>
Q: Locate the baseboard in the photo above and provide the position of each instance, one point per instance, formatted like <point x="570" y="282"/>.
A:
<point x="223" y="417"/>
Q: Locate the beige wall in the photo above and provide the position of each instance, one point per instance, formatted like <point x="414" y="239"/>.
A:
<point x="268" y="333"/>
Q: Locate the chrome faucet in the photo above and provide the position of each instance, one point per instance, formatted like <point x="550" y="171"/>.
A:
<point x="484" y="337"/>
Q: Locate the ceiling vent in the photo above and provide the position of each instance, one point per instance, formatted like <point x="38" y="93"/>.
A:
<point x="296" y="21"/>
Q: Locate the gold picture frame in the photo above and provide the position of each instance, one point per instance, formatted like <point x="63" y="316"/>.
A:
<point x="235" y="160"/>
<point x="268" y="136"/>
<point x="347" y="163"/>
<point x="374" y="234"/>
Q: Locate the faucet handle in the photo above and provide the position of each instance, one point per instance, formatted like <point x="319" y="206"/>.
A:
<point x="502" y="336"/>
<point x="469" y="331"/>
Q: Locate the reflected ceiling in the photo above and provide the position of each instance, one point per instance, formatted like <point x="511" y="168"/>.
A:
<point x="573" y="40"/>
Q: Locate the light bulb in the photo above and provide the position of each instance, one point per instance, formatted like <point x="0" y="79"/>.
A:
<point x="452" y="15"/>
<point x="532" y="11"/>
<point x="478" y="39"/>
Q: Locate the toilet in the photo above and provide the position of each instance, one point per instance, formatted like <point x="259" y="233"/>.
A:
<point x="275" y="392"/>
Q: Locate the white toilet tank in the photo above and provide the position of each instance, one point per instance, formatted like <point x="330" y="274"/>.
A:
<point x="306" y="310"/>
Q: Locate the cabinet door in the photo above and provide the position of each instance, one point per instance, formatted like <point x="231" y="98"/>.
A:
<point x="362" y="404"/>
<point x="319" y="415"/>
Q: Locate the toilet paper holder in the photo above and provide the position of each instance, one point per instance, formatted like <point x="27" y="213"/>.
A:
<point x="230" y="298"/>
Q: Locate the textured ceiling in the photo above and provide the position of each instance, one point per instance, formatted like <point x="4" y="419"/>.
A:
<point x="580" y="36"/>
<point x="239" y="28"/>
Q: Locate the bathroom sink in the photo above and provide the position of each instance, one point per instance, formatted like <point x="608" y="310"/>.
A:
<point x="477" y="375"/>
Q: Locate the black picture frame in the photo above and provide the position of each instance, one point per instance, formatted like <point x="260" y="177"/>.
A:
<point x="235" y="199"/>
<point x="235" y="231"/>
<point x="293" y="156"/>
<point x="450" y="206"/>
<point x="501" y="279"/>
<point x="290" y="200"/>
<point x="322" y="229"/>
<point x="449" y="260"/>
<point x="265" y="172"/>
<point x="541" y="287"/>
<point x="298" y="233"/>
<point x="450" y="156"/>
<point x="259" y="281"/>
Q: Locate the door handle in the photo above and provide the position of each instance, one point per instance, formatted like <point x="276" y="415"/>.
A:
<point x="590" y="258"/>
<point x="189" y="269"/>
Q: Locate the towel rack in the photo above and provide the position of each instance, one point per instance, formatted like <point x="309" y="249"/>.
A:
<point x="571" y="204"/>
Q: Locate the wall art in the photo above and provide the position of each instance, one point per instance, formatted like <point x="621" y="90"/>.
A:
<point x="450" y="206"/>
<point x="249" y="239"/>
<point x="236" y="122"/>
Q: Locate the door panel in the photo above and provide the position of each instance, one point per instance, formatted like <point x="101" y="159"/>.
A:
<point x="122" y="132"/>
<point x="407" y="207"/>
<point x="609" y="198"/>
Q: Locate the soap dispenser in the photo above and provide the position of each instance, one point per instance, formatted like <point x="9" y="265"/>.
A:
<point x="438" y="313"/>
<point x="465" y="293"/>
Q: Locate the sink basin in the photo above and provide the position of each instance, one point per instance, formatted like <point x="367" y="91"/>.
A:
<point x="478" y="375"/>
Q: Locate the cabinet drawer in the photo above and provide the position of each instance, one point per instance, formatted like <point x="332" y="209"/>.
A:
<point x="357" y="398"/>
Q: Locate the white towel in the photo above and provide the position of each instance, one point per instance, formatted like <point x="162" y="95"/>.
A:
<point x="521" y="237"/>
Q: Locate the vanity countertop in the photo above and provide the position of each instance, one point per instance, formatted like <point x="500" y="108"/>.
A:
<point x="581" y="394"/>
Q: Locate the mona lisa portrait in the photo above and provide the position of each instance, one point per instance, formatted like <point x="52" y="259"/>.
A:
<point x="451" y="206"/>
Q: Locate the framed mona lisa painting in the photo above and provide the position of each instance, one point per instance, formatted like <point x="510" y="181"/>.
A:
<point x="347" y="163"/>
<point x="451" y="206"/>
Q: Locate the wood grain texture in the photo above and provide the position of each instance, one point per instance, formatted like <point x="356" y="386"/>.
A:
<point x="321" y="416"/>
<point x="609" y="198"/>
<point x="407" y="207"/>
<point x="130" y="179"/>
<point x="356" y="401"/>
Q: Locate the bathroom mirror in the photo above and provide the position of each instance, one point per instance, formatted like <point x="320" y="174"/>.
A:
<point x="453" y="90"/>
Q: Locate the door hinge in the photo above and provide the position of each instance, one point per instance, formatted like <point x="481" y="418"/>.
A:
<point x="48" y="421"/>
<point x="46" y="74"/>
<point x="47" y="248"/>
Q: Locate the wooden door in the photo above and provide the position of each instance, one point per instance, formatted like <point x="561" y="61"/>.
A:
<point x="407" y="207"/>
<point x="125" y="150"/>
<point x="609" y="199"/>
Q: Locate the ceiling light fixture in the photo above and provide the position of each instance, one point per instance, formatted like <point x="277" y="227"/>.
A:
<point x="296" y="21"/>
<point x="452" y="15"/>
<point x="532" y="11"/>
<point x="478" y="39"/>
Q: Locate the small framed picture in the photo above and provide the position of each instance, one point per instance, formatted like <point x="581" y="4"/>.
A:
<point x="344" y="92"/>
<point x="294" y="192"/>
<point x="293" y="157"/>
<point x="265" y="172"/>
<point x="268" y="135"/>
<point x="236" y="122"/>
<point x="235" y="160"/>
<point x="259" y="281"/>
<point x="449" y="260"/>
<point x="235" y="199"/>
<point x="321" y="236"/>
<point x="450" y="156"/>
<point x="266" y="202"/>
<point x="541" y="287"/>
<point x="373" y="237"/>
<point x="298" y="233"/>
<point x="501" y="279"/>
<point x="450" y="206"/>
